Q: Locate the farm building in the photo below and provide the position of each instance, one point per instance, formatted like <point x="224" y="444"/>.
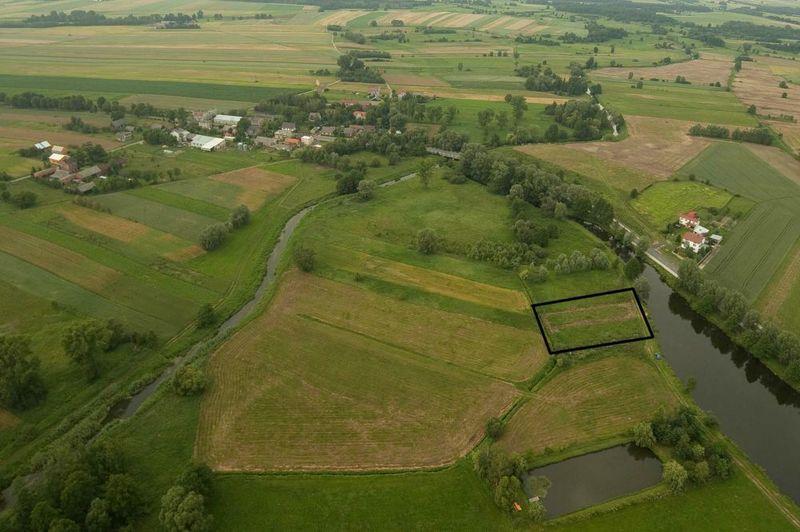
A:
<point x="267" y="142"/>
<point x="59" y="149"/>
<point x="124" y="136"/>
<point x="181" y="135"/>
<point x="307" y="140"/>
<point x="693" y="241"/>
<point x="41" y="146"/>
<point x="226" y="120"/>
<point x="700" y="230"/>
<point x="57" y="159"/>
<point x="688" y="219"/>
<point x="288" y="127"/>
<point x="207" y="143"/>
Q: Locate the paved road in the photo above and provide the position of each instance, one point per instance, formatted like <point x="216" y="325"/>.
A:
<point x="654" y="253"/>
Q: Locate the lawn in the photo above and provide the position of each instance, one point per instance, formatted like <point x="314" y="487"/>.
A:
<point x="661" y="203"/>
<point x="754" y="250"/>
<point x="591" y="401"/>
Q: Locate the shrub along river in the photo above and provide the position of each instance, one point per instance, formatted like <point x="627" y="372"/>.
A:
<point x="756" y="409"/>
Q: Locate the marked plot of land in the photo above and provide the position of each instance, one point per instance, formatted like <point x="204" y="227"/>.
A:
<point x="317" y="384"/>
<point x="592" y="321"/>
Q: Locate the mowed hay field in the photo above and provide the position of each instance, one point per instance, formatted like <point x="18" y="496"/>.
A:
<point x="300" y="389"/>
<point x="753" y="251"/>
<point x="588" y="402"/>
<point x="710" y="68"/>
<point x="653" y="151"/>
<point x="594" y="320"/>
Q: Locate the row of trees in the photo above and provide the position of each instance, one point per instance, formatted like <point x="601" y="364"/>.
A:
<point x="756" y="135"/>
<point x="214" y="235"/>
<point x="86" y="340"/>
<point x="541" y="78"/>
<point x="761" y="337"/>
<point x="585" y="118"/>
<point x="351" y="68"/>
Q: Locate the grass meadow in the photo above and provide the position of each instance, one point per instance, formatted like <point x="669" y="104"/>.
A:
<point x="661" y="203"/>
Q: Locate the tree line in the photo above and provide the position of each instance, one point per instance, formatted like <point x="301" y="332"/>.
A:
<point x="756" y="135"/>
<point x="79" y="17"/>
<point x="761" y="337"/>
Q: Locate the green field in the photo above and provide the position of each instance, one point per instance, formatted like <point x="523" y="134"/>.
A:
<point x="594" y="320"/>
<point x="661" y="203"/>
<point x="755" y="248"/>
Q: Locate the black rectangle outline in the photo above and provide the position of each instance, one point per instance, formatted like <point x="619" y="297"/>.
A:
<point x="602" y="344"/>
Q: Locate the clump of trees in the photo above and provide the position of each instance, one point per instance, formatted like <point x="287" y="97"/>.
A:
<point x="540" y="77"/>
<point x="21" y="383"/>
<point x="159" y="137"/>
<point x="24" y="199"/>
<point x="213" y="236"/>
<point x="504" y="473"/>
<point x="761" y="337"/>
<point x="351" y="68"/>
<point x="86" y="340"/>
<point x="586" y="118"/>
<point x="79" y="489"/>
<point x="183" y="506"/>
<point x="305" y="258"/>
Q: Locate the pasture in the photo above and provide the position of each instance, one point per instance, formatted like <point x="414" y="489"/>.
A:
<point x="596" y="400"/>
<point x="710" y="68"/>
<point x="593" y="320"/>
<point x="758" y="244"/>
<point x="661" y="203"/>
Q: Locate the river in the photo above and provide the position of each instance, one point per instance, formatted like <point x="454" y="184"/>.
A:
<point x="754" y="408"/>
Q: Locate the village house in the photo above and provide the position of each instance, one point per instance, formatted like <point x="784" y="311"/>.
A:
<point x="124" y="136"/>
<point x="206" y="143"/>
<point x="700" y="230"/>
<point x="288" y="127"/>
<point x="267" y="142"/>
<point x="688" y="219"/>
<point x="693" y="241"/>
<point x="359" y="115"/>
<point x="306" y="140"/>
<point x="57" y="159"/>
<point x="375" y="93"/>
<point x="181" y="135"/>
<point x="327" y="131"/>
<point x="118" y="124"/>
<point x="88" y="173"/>
<point x="59" y="149"/>
<point x="226" y="120"/>
<point x="350" y="103"/>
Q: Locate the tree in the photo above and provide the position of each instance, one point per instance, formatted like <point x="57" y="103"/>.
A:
<point x="304" y="258"/>
<point x="535" y="511"/>
<point x="642" y="286"/>
<point x="21" y="383"/>
<point x="485" y="116"/>
<point x="366" y="189"/>
<point x="633" y="268"/>
<point x="206" y="316"/>
<point x="198" y="478"/>
<point x="518" y="106"/>
<point x="188" y="380"/>
<point x="64" y="525"/>
<point x="643" y="435"/>
<point x="124" y="498"/>
<point x="42" y="515"/>
<point x="83" y="341"/>
<point x="24" y="199"/>
<point x="560" y="211"/>
<point x="213" y="236"/>
<point x="494" y="428"/>
<point x="98" y="518"/>
<point x="77" y="494"/>
<point x="675" y="476"/>
<point x="240" y="216"/>
<point x="425" y="171"/>
<point x="502" y="119"/>
<point x="506" y="492"/>
<point x="184" y="511"/>
<point x="427" y="241"/>
<point x="348" y="183"/>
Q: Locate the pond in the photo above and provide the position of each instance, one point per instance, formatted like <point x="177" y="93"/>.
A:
<point x="593" y="478"/>
<point x="756" y="409"/>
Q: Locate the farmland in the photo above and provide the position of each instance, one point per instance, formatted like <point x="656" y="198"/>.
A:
<point x="357" y="348"/>
<point x="760" y="242"/>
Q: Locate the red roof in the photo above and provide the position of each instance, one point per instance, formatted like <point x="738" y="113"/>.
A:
<point x="691" y="215"/>
<point x="292" y="141"/>
<point x="693" y="237"/>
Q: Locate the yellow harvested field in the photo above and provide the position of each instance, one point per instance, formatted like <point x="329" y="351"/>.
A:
<point x="411" y="18"/>
<point x="778" y="159"/>
<point x="654" y="149"/>
<point x="710" y="68"/>
<point x="340" y="18"/>
<point x="173" y="102"/>
<point x="519" y="24"/>
<point x="108" y="225"/>
<point x="756" y="85"/>
<point x="497" y="23"/>
<point x="256" y="183"/>
<point x="588" y="402"/>
<point x="790" y="132"/>
<point x="185" y="253"/>
<point x="462" y="21"/>
<point x="413" y="80"/>
<point x="60" y="261"/>
<point x="292" y="392"/>
<point x="428" y="280"/>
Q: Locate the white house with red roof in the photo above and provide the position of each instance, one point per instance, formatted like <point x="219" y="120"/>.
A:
<point x="689" y="219"/>
<point x="693" y="241"/>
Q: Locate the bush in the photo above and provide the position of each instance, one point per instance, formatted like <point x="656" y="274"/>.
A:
<point x="206" y="316"/>
<point x="24" y="199"/>
<point x="213" y="236"/>
<point x="633" y="268"/>
<point x="643" y="435"/>
<point x="427" y="241"/>
<point x="366" y="189"/>
<point x="675" y="476"/>
<point x="494" y="428"/>
<point x="188" y="380"/>
<point x="239" y="217"/>
<point x="305" y="258"/>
